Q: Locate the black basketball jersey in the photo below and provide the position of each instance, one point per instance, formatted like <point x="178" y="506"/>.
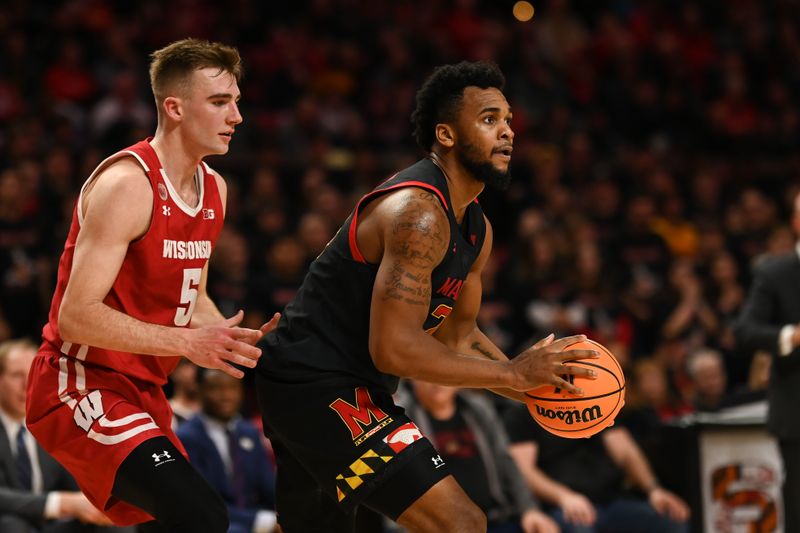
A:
<point x="325" y="329"/>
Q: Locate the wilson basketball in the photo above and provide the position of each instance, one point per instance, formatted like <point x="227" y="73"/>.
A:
<point x="570" y="416"/>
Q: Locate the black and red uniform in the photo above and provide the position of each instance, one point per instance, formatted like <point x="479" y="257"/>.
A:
<point x="327" y="409"/>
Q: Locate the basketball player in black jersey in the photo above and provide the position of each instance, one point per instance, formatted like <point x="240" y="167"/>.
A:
<point x="396" y="294"/>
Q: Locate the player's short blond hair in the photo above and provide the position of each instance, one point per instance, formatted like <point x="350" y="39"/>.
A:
<point x="171" y="67"/>
<point x="6" y="347"/>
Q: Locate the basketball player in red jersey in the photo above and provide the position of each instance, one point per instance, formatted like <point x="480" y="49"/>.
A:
<point x="131" y="299"/>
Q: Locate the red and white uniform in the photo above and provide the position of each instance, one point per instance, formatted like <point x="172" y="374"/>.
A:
<point x="90" y="407"/>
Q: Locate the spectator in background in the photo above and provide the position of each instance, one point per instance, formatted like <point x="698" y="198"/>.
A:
<point x="688" y="315"/>
<point x="583" y="480"/>
<point x="36" y="493"/>
<point x="228" y="453"/>
<point x="709" y="380"/>
<point x="122" y="117"/>
<point x="21" y="262"/>
<point x="642" y="259"/>
<point x="274" y="286"/>
<point x="468" y="433"/>
<point x="185" y="399"/>
<point x="770" y="320"/>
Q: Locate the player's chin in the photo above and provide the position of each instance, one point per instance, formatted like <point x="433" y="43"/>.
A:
<point x="219" y="149"/>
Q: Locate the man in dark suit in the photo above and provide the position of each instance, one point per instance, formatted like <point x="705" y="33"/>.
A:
<point x="770" y="320"/>
<point x="36" y="493"/>
<point x="228" y="453"/>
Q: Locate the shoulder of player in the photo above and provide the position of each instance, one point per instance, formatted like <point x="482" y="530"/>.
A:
<point x="415" y="224"/>
<point x="123" y="178"/>
<point x="415" y="214"/>
<point x="414" y="208"/>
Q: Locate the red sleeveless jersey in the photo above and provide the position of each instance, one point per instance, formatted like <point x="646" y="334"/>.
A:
<point x="158" y="280"/>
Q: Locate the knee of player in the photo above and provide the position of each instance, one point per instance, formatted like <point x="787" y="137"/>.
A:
<point x="214" y="515"/>
<point x="205" y="512"/>
<point x="466" y="518"/>
<point x="475" y="520"/>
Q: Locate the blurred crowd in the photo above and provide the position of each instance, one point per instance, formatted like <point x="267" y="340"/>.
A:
<point x="654" y="158"/>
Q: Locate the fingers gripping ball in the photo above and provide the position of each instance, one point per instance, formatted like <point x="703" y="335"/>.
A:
<point x="570" y="416"/>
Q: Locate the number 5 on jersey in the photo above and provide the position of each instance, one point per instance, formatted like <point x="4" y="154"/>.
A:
<point x="191" y="281"/>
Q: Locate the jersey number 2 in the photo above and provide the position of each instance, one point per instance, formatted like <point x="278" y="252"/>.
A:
<point x="191" y="280"/>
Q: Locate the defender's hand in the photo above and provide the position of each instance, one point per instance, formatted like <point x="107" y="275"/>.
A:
<point x="543" y="364"/>
<point x="217" y="346"/>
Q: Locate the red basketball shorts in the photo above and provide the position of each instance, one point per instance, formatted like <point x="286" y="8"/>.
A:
<point x="89" y="418"/>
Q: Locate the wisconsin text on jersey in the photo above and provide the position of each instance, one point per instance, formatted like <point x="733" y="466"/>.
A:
<point x="186" y="249"/>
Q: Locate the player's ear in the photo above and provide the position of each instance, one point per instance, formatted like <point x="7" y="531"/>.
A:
<point x="173" y="108"/>
<point x="445" y="135"/>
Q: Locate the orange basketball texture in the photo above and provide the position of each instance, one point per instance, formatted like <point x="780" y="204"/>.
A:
<point x="570" y="416"/>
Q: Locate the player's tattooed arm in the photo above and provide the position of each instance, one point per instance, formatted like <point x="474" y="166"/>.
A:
<point x="417" y="241"/>
<point x="477" y="347"/>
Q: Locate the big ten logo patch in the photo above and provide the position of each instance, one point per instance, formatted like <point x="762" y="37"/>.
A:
<point x="742" y="500"/>
<point x="364" y="418"/>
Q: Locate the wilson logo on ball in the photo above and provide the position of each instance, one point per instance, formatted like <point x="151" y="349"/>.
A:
<point x="572" y="416"/>
<point x="567" y="415"/>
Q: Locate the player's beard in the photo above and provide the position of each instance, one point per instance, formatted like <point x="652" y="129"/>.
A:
<point x="483" y="171"/>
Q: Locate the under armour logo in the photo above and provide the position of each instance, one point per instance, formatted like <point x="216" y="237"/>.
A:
<point x="208" y="214"/>
<point x="159" y="456"/>
<point x="165" y="209"/>
<point x="437" y="461"/>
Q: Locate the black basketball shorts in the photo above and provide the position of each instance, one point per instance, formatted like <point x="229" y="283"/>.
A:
<point x="347" y="440"/>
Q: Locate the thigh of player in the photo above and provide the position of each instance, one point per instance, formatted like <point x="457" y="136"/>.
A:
<point x="350" y="443"/>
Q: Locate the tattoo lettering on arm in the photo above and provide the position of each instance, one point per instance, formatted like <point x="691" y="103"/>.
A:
<point x="478" y="347"/>
<point x="417" y="243"/>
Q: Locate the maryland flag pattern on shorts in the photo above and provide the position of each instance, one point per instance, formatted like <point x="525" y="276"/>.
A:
<point x="373" y="461"/>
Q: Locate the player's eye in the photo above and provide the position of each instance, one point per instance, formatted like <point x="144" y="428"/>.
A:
<point x="489" y="119"/>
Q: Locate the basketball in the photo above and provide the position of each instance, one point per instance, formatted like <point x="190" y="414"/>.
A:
<point x="570" y="416"/>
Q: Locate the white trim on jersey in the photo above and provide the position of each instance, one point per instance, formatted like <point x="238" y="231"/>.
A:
<point x="106" y="423"/>
<point x="125" y="435"/>
<point x="199" y="183"/>
<point x="80" y="377"/>
<point x="63" y="381"/>
<point x="95" y="412"/>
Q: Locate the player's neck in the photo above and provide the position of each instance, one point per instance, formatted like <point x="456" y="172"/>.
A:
<point x="176" y="159"/>
<point x="463" y="187"/>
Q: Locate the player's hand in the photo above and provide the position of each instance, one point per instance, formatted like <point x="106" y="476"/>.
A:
<point x="543" y="364"/>
<point x="272" y="324"/>
<point x="219" y="345"/>
<point x="76" y="505"/>
<point x="668" y="504"/>
<point x="577" y="509"/>
<point x="251" y="336"/>
<point x="535" y="521"/>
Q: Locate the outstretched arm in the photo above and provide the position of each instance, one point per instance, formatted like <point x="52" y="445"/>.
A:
<point x="414" y="232"/>
<point x="109" y="226"/>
